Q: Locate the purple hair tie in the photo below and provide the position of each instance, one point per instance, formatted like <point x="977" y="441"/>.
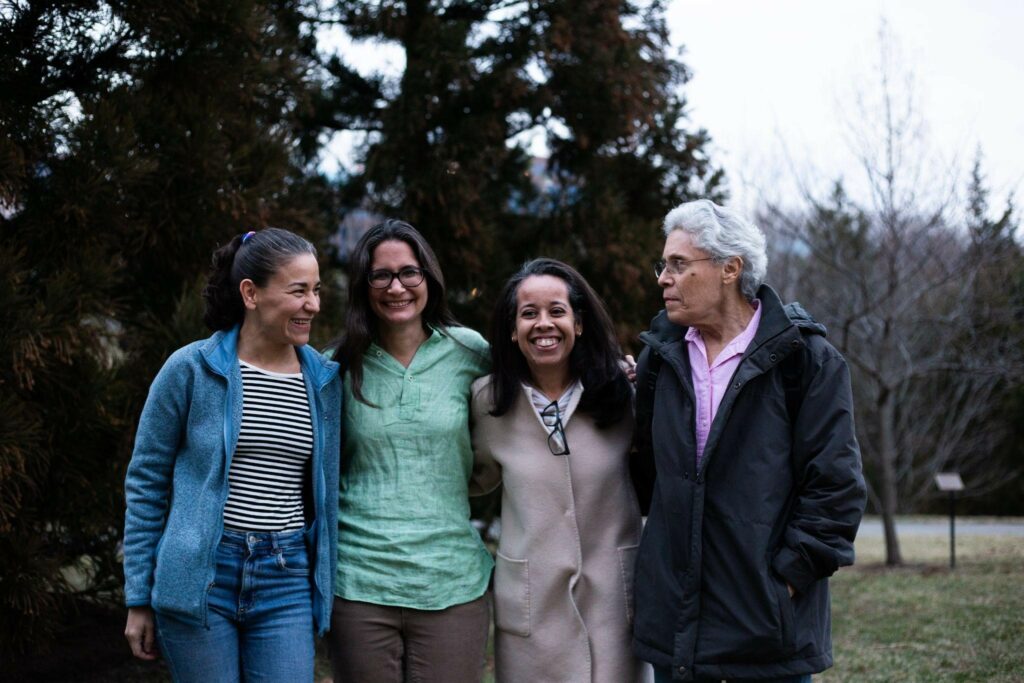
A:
<point x="246" y="236"/>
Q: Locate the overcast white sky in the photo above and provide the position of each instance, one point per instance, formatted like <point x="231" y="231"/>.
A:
<point x="771" y="79"/>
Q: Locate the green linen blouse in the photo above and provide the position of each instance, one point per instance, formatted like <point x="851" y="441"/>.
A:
<point x="404" y="535"/>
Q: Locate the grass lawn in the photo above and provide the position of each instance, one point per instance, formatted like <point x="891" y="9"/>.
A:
<point x="926" y="623"/>
<point x="917" y="623"/>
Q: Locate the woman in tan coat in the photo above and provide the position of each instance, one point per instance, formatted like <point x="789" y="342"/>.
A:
<point x="555" y="419"/>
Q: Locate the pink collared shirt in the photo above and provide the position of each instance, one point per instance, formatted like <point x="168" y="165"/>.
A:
<point x="711" y="381"/>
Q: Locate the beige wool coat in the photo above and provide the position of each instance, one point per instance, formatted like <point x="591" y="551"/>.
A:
<point x="570" y="527"/>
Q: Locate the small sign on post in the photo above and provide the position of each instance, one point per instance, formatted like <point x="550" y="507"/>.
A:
<point x="951" y="482"/>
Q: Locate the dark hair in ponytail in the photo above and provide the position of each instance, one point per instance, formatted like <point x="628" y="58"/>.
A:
<point x="254" y="256"/>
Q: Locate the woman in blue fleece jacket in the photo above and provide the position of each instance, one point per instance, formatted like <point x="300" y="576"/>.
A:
<point x="231" y="518"/>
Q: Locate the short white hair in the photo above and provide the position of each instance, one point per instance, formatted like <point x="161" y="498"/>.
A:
<point x="723" y="233"/>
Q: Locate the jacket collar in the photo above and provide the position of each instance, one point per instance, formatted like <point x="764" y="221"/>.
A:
<point x="663" y="333"/>
<point x="773" y="317"/>
<point x="220" y="352"/>
<point x="321" y="370"/>
<point x="781" y="331"/>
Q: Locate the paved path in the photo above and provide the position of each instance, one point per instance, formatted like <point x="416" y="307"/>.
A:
<point x="939" y="526"/>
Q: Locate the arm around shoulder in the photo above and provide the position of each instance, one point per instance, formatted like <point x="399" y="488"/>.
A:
<point x="486" y="475"/>
<point x="474" y="342"/>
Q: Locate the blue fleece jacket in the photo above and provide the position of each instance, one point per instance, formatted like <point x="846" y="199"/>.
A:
<point x="177" y="481"/>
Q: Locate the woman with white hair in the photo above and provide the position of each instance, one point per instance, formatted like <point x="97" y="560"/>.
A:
<point x="719" y="300"/>
<point x="746" y="412"/>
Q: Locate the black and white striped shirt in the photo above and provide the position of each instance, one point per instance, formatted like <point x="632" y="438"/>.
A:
<point x="271" y="460"/>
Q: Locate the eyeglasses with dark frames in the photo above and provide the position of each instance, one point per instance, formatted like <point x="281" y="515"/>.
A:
<point x="382" y="279"/>
<point x="552" y="418"/>
<point x="676" y="266"/>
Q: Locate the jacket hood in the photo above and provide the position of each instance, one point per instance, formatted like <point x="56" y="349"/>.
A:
<point x="802" y="319"/>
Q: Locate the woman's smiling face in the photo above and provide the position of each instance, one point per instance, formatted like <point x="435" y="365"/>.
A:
<point x="284" y="309"/>
<point x="397" y="305"/>
<point x="545" y="325"/>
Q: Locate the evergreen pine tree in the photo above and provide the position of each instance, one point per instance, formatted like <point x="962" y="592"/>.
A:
<point x="135" y="137"/>
<point x="598" y="76"/>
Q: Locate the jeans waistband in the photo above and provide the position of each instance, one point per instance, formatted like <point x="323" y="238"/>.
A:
<point x="264" y="540"/>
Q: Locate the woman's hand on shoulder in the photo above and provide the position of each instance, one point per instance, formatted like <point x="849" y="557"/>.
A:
<point x="140" y="630"/>
<point x="630" y="368"/>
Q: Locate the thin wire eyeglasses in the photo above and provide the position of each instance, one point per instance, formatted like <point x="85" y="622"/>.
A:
<point x="676" y="266"/>
<point x="382" y="279"/>
<point x="552" y="418"/>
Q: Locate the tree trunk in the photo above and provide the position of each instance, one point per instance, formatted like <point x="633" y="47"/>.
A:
<point x="888" y="493"/>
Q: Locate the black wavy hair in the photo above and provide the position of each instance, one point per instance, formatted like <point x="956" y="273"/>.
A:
<point x="256" y="259"/>
<point x="595" y="358"/>
<point x="361" y="321"/>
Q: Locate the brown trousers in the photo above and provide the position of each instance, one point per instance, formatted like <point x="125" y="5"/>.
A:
<point x="380" y="644"/>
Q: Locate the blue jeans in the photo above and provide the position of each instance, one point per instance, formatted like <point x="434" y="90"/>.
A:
<point x="259" y="615"/>
<point x="664" y="675"/>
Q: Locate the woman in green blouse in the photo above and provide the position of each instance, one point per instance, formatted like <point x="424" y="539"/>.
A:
<point x="412" y="571"/>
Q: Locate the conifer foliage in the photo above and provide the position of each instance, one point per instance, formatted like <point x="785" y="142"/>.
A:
<point x="600" y="81"/>
<point x="135" y="136"/>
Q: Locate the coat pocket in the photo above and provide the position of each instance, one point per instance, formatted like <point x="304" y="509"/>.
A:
<point x="512" y="595"/>
<point x="627" y="565"/>
<point x="787" y="612"/>
<point x="746" y="612"/>
<point x="294" y="561"/>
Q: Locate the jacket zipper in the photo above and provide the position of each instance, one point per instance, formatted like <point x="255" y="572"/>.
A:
<point x="223" y="499"/>
<point x="318" y="492"/>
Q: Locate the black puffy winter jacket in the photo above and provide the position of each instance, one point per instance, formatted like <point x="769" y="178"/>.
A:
<point x="771" y="503"/>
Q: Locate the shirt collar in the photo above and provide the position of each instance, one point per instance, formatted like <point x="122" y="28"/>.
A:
<point x="540" y="401"/>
